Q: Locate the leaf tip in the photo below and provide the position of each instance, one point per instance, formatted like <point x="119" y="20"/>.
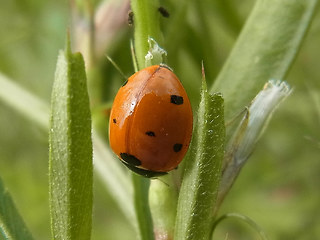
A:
<point x="68" y="43"/>
<point x="204" y="83"/>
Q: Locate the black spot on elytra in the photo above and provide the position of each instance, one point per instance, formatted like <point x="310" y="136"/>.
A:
<point x="175" y="99"/>
<point x="125" y="83"/>
<point x="150" y="134"/>
<point x="130" y="159"/>
<point x="114" y="120"/>
<point x="164" y="12"/>
<point x="177" y="147"/>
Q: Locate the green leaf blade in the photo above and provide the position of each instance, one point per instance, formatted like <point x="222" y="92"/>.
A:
<point x="203" y="170"/>
<point x="265" y="50"/>
<point x="70" y="161"/>
<point x="24" y="102"/>
<point x="141" y="204"/>
<point x="110" y="171"/>
<point x="12" y="225"/>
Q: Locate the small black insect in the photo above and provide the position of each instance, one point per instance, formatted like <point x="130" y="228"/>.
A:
<point x="130" y="18"/>
<point x="164" y="12"/>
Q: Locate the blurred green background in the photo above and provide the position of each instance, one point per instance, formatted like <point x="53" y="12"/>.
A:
<point x="279" y="187"/>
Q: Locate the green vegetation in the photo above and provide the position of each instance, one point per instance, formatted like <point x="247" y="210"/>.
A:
<point x="241" y="46"/>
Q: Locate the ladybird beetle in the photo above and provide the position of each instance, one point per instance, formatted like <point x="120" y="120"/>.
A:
<point x="151" y="121"/>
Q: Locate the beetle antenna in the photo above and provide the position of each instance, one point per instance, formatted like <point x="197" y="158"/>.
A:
<point x="116" y="67"/>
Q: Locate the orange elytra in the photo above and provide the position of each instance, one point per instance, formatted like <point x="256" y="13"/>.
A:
<point x="151" y="121"/>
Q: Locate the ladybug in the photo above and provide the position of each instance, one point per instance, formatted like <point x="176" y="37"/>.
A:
<point x="151" y="121"/>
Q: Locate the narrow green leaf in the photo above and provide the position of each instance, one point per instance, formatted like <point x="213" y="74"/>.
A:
<point x="12" y="225"/>
<point x="203" y="170"/>
<point x="146" y="23"/>
<point x="110" y="171"/>
<point x="24" y="102"/>
<point x="264" y="50"/>
<point x="114" y="176"/>
<point x="70" y="162"/>
<point x="244" y="219"/>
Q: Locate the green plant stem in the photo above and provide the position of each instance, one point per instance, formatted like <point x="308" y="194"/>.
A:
<point x="163" y="197"/>
<point x="177" y="25"/>
<point x="141" y="191"/>
<point x="265" y="49"/>
<point x="146" y="23"/>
